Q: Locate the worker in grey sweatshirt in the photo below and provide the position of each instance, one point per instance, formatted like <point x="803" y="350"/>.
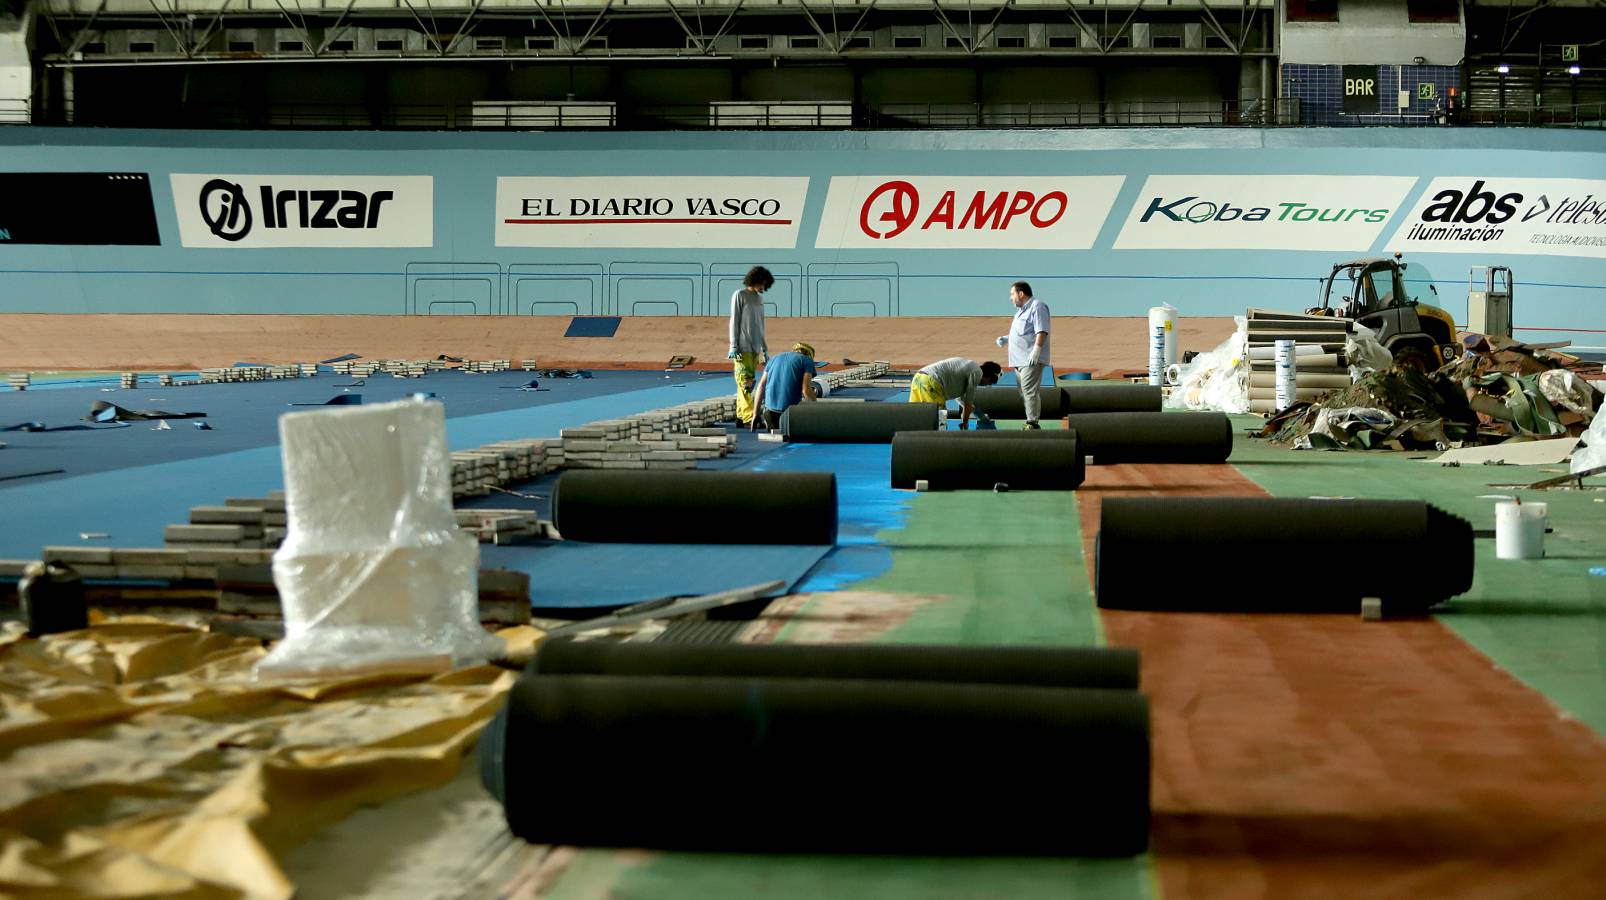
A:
<point x="748" y="348"/>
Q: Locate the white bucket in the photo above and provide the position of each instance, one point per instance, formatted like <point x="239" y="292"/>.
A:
<point x="1287" y="375"/>
<point x="1519" y="530"/>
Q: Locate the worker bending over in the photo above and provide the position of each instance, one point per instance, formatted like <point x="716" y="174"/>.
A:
<point x="786" y="381"/>
<point x="954" y="378"/>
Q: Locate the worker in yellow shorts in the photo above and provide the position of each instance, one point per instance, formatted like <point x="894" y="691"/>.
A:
<point x="954" y="378"/>
<point x="747" y="346"/>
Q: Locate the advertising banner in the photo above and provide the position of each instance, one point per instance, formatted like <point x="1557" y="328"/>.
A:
<point x="936" y="212"/>
<point x="85" y="208"/>
<point x="1262" y="212"/>
<point x="649" y="211"/>
<point x="239" y="211"/>
<point x="1469" y="214"/>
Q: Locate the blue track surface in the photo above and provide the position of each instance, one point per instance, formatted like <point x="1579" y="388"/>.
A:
<point x="135" y="503"/>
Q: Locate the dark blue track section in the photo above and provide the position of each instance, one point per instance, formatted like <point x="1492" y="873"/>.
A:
<point x="245" y="415"/>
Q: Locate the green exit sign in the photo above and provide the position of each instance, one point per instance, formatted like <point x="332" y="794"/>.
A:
<point x="1424" y="90"/>
<point x="1569" y="53"/>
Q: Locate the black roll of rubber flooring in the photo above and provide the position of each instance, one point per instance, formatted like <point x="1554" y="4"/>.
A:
<point x="691" y="507"/>
<point x="855" y="423"/>
<point x="1154" y="437"/>
<point x="1112" y="668"/>
<point x="1112" y="398"/>
<point x="948" y="461"/>
<point x="856" y="766"/>
<point x="1201" y="554"/>
<point x="1005" y="402"/>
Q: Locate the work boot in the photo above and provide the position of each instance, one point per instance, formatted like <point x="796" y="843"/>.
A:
<point x="1033" y="426"/>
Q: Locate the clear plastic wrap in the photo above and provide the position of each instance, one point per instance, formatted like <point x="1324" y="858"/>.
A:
<point x="1565" y="389"/>
<point x="1592" y="452"/>
<point x="373" y="569"/>
<point x="1217" y="380"/>
<point x="1365" y="353"/>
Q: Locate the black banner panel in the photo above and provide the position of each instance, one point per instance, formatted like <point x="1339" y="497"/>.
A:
<point x="77" y="208"/>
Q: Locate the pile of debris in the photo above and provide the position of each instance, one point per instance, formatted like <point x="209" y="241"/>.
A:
<point x="1499" y="389"/>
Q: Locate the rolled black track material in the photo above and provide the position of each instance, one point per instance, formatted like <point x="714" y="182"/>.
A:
<point x="855" y="423"/>
<point x="859" y="758"/>
<point x="1201" y="554"/>
<point x="1173" y="437"/>
<point x="1112" y="398"/>
<point x="950" y="462"/>
<point x="690" y="507"/>
<point x="1113" y="668"/>
<point x="1004" y="402"/>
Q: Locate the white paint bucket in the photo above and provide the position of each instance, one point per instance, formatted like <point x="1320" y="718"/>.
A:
<point x="1519" y="530"/>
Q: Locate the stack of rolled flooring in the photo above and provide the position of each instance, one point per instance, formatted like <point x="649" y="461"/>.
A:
<point x="856" y="423"/>
<point x="630" y="745"/>
<point x="1200" y="554"/>
<point x="694" y="507"/>
<point x="980" y="460"/>
<point x="1321" y="365"/>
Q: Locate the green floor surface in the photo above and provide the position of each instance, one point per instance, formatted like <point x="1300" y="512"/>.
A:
<point x="1537" y="619"/>
<point x="1011" y="567"/>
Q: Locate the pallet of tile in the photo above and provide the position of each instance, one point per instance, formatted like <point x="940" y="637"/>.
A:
<point x="19" y="381"/>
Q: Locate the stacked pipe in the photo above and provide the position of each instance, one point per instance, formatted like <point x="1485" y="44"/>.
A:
<point x="1052" y="728"/>
<point x="1320" y="363"/>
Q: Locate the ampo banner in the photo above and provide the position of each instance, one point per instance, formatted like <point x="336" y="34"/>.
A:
<point x="936" y="212"/>
<point x="1469" y="214"/>
<point x="235" y="211"/>
<point x="1262" y="212"/>
<point x="649" y="211"/>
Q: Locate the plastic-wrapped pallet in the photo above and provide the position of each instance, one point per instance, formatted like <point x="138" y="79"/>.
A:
<point x="374" y="569"/>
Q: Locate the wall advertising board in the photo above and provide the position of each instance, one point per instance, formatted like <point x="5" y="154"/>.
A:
<point x="230" y="211"/>
<point x="1262" y="212"/>
<point x="649" y="211"/>
<point x="1468" y="214"/>
<point x="935" y="212"/>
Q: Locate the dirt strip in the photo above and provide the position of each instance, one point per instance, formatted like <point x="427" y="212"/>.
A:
<point x="1320" y="756"/>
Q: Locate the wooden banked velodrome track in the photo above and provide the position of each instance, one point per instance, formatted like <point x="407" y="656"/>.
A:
<point x="117" y="342"/>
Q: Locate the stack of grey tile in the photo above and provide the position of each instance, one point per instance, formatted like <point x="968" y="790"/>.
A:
<point x="504" y="526"/>
<point x="309" y="370"/>
<point x="19" y="381"/>
<point x="130" y="380"/>
<point x="198" y="563"/>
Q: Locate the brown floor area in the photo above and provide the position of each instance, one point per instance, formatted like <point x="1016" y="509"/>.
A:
<point x="1321" y="756"/>
<point x="43" y="342"/>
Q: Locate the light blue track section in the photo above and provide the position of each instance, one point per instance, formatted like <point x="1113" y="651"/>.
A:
<point x="133" y="506"/>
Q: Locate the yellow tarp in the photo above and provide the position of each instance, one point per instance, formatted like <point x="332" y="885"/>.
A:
<point x="143" y="759"/>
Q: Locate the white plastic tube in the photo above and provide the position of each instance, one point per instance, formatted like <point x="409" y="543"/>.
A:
<point x="1287" y="375"/>
<point x="1165" y="316"/>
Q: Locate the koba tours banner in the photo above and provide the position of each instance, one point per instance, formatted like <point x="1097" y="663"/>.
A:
<point x="1469" y="214"/>
<point x="649" y="211"/>
<point x="937" y="212"/>
<point x="229" y="211"/>
<point x="1262" y="212"/>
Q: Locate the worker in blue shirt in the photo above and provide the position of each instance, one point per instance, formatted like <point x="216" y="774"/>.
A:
<point x="787" y="380"/>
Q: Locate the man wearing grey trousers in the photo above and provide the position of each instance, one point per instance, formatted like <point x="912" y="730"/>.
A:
<point x="1028" y="347"/>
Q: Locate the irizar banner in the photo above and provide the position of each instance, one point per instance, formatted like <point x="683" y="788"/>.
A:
<point x="1262" y="212"/>
<point x="1471" y="214"/>
<point x="342" y="211"/>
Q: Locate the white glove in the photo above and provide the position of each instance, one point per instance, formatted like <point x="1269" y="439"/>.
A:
<point x="1036" y="354"/>
<point x="1003" y="341"/>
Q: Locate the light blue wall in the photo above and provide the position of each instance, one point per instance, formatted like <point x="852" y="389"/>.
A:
<point x="1552" y="291"/>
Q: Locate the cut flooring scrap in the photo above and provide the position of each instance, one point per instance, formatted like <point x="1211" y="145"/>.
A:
<point x="1513" y="453"/>
<point x="570" y="578"/>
